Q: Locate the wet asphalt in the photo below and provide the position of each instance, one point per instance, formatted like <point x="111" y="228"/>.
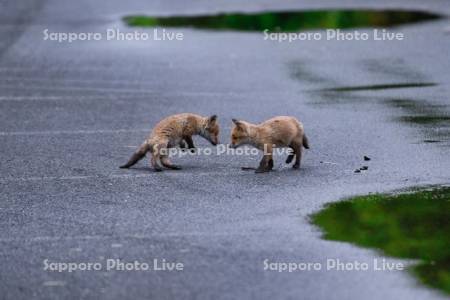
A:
<point x="71" y="113"/>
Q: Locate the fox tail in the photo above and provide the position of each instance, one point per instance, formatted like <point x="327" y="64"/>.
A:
<point x="305" y="142"/>
<point x="137" y="156"/>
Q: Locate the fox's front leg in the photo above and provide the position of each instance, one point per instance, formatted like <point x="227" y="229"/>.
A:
<point x="266" y="163"/>
<point x="183" y="145"/>
<point x="291" y="155"/>
<point x="190" y="143"/>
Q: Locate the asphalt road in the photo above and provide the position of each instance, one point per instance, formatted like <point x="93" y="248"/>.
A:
<point x="71" y="113"/>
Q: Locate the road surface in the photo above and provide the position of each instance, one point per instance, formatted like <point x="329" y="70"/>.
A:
<point x="71" y="113"/>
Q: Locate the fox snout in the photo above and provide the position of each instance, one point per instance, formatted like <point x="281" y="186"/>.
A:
<point x="214" y="140"/>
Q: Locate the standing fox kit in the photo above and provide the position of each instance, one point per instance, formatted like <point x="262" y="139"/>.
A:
<point x="173" y="131"/>
<point x="279" y="131"/>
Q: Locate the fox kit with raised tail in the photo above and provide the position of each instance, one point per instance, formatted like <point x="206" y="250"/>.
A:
<point x="277" y="132"/>
<point x="173" y="131"/>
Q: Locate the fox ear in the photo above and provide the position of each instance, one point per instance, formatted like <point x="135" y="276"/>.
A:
<point x="212" y="119"/>
<point x="237" y="122"/>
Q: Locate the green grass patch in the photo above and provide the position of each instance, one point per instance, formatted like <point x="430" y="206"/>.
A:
<point x="411" y="225"/>
<point x="286" y="21"/>
<point x="376" y="87"/>
<point x="427" y="119"/>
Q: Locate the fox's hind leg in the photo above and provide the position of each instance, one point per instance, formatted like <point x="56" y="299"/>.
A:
<point x="157" y="153"/>
<point x="166" y="163"/>
<point x="155" y="164"/>
<point x="297" y="146"/>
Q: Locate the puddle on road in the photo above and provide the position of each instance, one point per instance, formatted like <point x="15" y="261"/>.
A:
<point x="378" y="87"/>
<point x="344" y="94"/>
<point x="288" y="21"/>
<point x="301" y="71"/>
<point x="393" y="67"/>
<point x="431" y="141"/>
<point x="426" y="120"/>
<point x="414" y="106"/>
<point x="432" y="119"/>
<point x="410" y="225"/>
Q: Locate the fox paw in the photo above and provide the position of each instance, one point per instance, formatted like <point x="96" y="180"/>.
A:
<point x="289" y="158"/>
<point x="174" y="167"/>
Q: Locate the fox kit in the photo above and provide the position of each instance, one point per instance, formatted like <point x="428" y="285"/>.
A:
<point x="276" y="132"/>
<point x="173" y="131"/>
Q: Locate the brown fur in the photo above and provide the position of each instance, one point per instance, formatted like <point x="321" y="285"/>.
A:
<point x="171" y="132"/>
<point x="282" y="131"/>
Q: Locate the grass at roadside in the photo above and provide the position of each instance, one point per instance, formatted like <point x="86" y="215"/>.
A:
<point x="413" y="225"/>
<point x="288" y="21"/>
